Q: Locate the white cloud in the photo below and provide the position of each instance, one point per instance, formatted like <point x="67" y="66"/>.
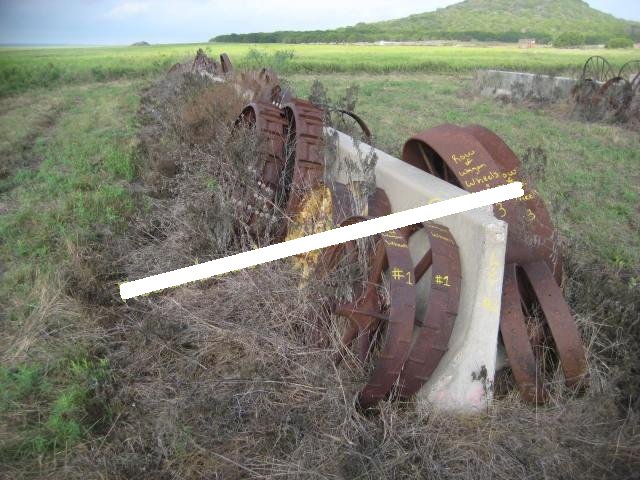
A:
<point x="128" y="9"/>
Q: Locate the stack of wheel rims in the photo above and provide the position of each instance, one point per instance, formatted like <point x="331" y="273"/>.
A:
<point x="474" y="158"/>
<point x="382" y="330"/>
<point x="399" y="350"/>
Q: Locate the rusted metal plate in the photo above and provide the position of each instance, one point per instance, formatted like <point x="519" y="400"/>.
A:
<point x="269" y="123"/>
<point x="515" y="336"/>
<point x="304" y="168"/>
<point x="474" y="158"/>
<point x="431" y="339"/>
<point x="467" y="157"/>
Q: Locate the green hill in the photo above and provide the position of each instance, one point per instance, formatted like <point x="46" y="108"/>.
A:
<point x="481" y="20"/>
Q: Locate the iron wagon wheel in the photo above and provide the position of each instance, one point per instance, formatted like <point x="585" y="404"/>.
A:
<point x="616" y="95"/>
<point x="269" y="124"/>
<point x="597" y="69"/>
<point x="630" y="71"/>
<point x="347" y="121"/>
<point x="431" y="339"/>
<point x="380" y="325"/>
<point x="470" y="155"/>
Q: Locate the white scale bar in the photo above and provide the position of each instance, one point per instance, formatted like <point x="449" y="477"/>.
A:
<point x="320" y="240"/>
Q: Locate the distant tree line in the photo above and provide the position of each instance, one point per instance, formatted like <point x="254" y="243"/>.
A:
<point x="357" y="35"/>
<point x="351" y="36"/>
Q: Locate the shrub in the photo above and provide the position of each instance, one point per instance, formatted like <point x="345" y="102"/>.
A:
<point x="620" y="42"/>
<point x="569" y="39"/>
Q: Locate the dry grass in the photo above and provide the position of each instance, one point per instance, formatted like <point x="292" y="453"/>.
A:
<point x="220" y="379"/>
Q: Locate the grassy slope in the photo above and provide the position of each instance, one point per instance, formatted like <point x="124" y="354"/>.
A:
<point x="480" y="19"/>
<point x="21" y="69"/>
<point x="71" y="150"/>
<point x="547" y="16"/>
<point x="71" y="157"/>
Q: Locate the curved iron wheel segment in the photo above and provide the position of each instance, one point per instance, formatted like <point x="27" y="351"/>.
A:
<point x="467" y="157"/>
<point x="630" y="71"/>
<point x="366" y="131"/>
<point x="532" y="234"/>
<point x="269" y="123"/>
<point x="304" y="169"/>
<point x="515" y="336"/>
<point x="225" y="63"/>
<point x="431" y="340"/>
<point x="368" y="314"/>
<point x="616" y="95"/>
<point x="565" y="334"/>
<point x="597" y="69"/>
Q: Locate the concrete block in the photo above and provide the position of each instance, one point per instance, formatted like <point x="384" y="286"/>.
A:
<point x="523" y="86"/>
<point x="464" y="378"/>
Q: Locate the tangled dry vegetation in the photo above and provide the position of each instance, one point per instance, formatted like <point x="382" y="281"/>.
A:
<point x="219" y="380"/>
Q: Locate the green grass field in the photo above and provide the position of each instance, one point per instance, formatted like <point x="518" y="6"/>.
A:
<point x="70" y="162"/>
<point x="24" y="68"/>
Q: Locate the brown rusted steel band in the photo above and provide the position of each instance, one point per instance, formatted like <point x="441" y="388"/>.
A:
<point x="305" y="163"/>
<point x="433" y="333"/>
<point x="515" y="337"/>
<point x="563" y="329"/>
<point x="365" y="314"/>
<point x="270" y="124"/>
<point x="399" y="328"/>
<point x="532" y="235"/>
<point x="474" y="159"/>
<point x="225" y="62"/>
<point x="361" y="123"/>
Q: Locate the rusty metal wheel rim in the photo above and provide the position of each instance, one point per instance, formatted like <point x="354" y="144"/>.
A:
<point x="304" y="168"/>
<point x="515" y="336"/>
<point x="616" y="94"/>
<point x="225" y="63"/>
<point x="365" y="314"/>
<point x="597" y="69"/>
<point x="269" y="123"/>
<point x="463" y="151"/>
<point x="431" y="340"/>
<point x="466" y="157"/>
<point x="629" y="69"/>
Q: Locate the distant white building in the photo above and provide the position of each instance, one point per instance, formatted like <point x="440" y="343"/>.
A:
<point x="527" y="42"/>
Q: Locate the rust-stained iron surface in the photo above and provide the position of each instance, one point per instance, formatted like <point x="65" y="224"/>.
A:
<point x="433" y="332"/>
<point x="368" y="313"/>
<point x="304" y="169"/>
<point x="474" y="158"/>
<point x="270" y="124"/>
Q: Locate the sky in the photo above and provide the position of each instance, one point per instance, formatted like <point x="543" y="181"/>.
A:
<point x="121" y="22"/>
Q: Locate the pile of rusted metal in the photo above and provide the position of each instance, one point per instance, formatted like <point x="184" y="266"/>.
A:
<point x="604" y="94"/>
<point x="399" y="348"/>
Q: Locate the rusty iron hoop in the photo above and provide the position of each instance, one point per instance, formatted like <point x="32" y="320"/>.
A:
<point x="597" y="69"/>
<point x="270" y="124"/>
<point x="434" y="331"/>
<point x="366" y="315"/>
<point x="629" y="69"/>
<point x="467" y="157"/>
